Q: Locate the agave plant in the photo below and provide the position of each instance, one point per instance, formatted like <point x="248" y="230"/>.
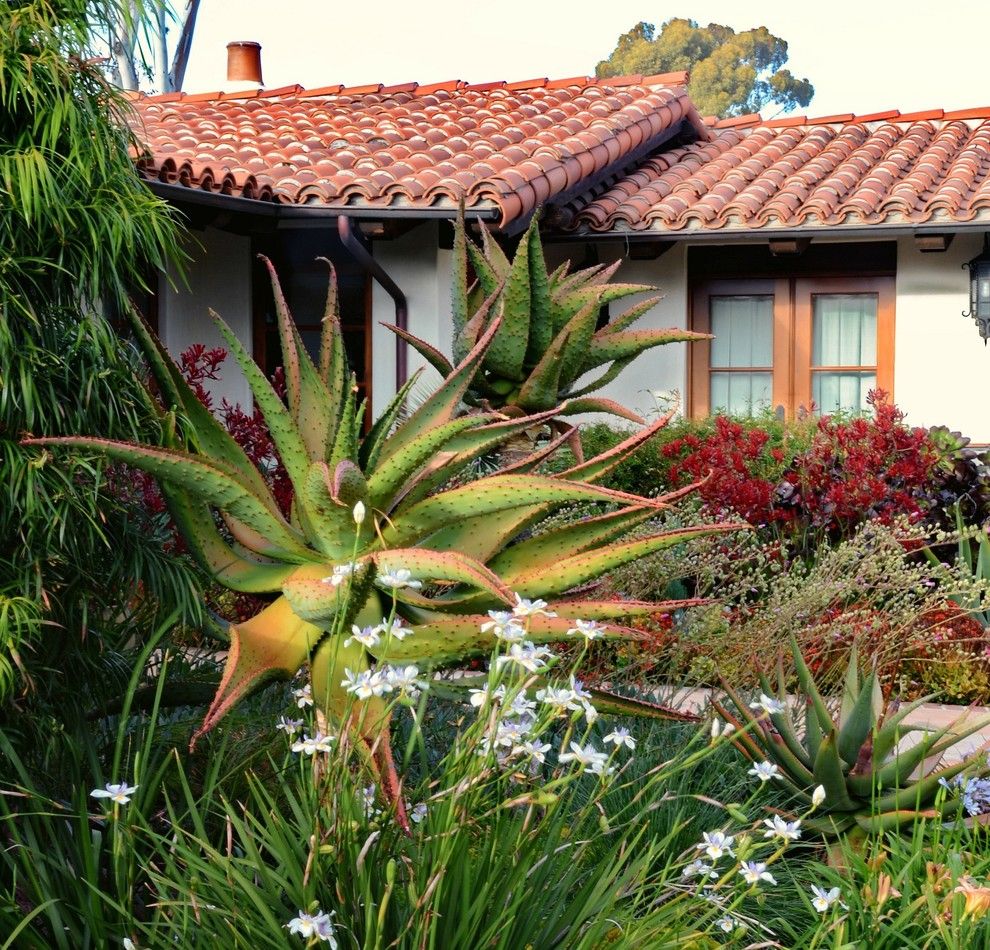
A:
<point x="546" y="336"/>
<point x="471" y="542"/>
<point x="872" y="780"/>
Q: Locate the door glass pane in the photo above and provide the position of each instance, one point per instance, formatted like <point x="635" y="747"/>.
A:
<point x="845" y="330"/>
<point x="742" y="394"/>
<point x="833" y="392"/>
<point x="743" y="329"/>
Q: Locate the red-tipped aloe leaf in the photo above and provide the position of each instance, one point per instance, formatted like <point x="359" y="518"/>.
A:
<point x="599" y="404"/>
<point x="430" y="353"/>
<point x="441" y="566"/>
<point x="604" y="348"/>
<point x="507" y="352"/>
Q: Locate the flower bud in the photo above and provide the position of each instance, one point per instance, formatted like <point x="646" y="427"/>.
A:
<point x="818" y="796"/>
<point x="359" y="511"/>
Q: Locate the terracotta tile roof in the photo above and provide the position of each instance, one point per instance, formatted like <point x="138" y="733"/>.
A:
<point x="508" y="147"/>
<point x="885" y="168"/>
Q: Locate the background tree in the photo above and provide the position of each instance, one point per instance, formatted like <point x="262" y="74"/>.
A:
<point x="83" y="573"/>
<point x="731" y="73"/>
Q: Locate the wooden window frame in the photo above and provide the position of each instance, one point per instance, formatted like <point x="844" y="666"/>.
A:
<point x="792" y="334"/>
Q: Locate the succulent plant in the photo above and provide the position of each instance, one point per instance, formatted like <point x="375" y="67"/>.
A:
<point x="471" y="543"/>
<point x="872" y="780"/>
<point x="547" y="338"/>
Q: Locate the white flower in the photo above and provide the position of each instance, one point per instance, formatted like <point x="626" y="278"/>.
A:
<point x="366" y="636"/>
<point x="365" y="684"/>
<point x="590" y="713"/>
<point x="778" y="828"/>
<point x="532" y="749"/>
<point x="619" y="737"/>
<point x="822" y="899"/>
<point x="719" y="730"/>
<point x="397" y="578"/>
<point x="755" y="871"/>
<point x="768" y="704"/>
<point x="339" y="574"/>
<point x="818" y="796"/>
<point x="531" y="608"/>
<point x="303" y="696"/>
<point x="578" y="688"/>
<point x="589" y="629"/>
<point x="726" y="924"/>
<point x="715" y="844"/>
<point x="289" y="726"/>
<point x="403" y="680"/>
<point x="310" y="745"/>
<point x="128" y="944"/>
<point x="359" y="512"/>
<point x="478" y="697"/>
<point x="511" y="732"/>
<point x="560" y="700"/>
<point x="764" y="771"/>
<point x="588" y="756"/>
<point x="521" y="704"/>
<point x="366" y="799"/>
<point x="395" y="629"/>
<point x="119" y="794"/>
<point x="698" y="868"/>
<point x="527" y="655"/>
<point x="503" y="626"/>
<point x="319" y="925"/>
<point x="418" y="813"/>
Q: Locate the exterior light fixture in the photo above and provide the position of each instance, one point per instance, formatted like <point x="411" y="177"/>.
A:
<point x="979" y="289"/>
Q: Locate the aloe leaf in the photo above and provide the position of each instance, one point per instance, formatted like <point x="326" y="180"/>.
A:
<point x="922" y="792"/>
<point x="488" y="279"/>
<point x="329" y="517"/>
<point x="628" y="317"/>
<point x="894" y="820"/>
<point x="549" y="547"/>
<point x="828" y="773"/>
<point x="203" y="480"/>
<point x="559" y="273"/>
<point x="507" y="352"/>
<point x="313" y="409"/>
<point x="893" y="772"/>
<point x="782" y="723"/>
<point x="605" y="462"/>
<point x="858" y="724"/>
<point x="430" y="353"/>
<point x="443" y="638"/>
<point x="310" y="598"/>
<point x="850" y="686"/>
<point x="333" y="356"/>
<point x="617" y="609"/>
<point x="393" y="473"/>
<point x="807" y="682"/>
<point x="612" y="704"/>
<point x="604" y="348"/>
<point x="441" y="406"/>
<point x="459" y="281"/>
<point x="373" y="442"/>
<point x="443" y="566"/>
<point x="890" y="730"/>
<point x="483" y="536"/>
<point x="493" y="252"/>
<point x="579" y="332"/>
<point x="526" y="464"/>
<point x="195" y="522"/>
<point x="275" y="642"/>
<point x="540" y="325"/>
<point x="207" y="435"/>
<point x="345" y="442"/>
<point x="575" y="406"/>
<point x="613" y="372"/>
<point x="496" y="493"/>
<point x="285" y="435"/>
<point x="541" y="390"/>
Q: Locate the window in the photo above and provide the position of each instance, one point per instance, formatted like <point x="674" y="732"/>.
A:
<point x="791" y="342"/>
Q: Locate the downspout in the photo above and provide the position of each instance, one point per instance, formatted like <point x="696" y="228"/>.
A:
<point x="374" y="269"/>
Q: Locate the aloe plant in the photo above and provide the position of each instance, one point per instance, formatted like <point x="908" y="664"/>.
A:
<point x="546" y="337"/>
<point x="472" y="543"/>
<point x="872" y="781"/>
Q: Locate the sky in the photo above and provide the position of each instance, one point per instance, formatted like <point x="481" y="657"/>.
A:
<point x="862" y="57"/>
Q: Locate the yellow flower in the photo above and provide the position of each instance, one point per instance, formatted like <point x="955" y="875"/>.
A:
<point x="977" y="897"/>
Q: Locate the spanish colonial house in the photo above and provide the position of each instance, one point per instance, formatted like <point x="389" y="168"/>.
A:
<point x="827" y="255"/>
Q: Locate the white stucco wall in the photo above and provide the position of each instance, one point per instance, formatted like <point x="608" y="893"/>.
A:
<point x="217" y="276"/>
<point x="940" y="363"/>
<point x="422" y="272"/>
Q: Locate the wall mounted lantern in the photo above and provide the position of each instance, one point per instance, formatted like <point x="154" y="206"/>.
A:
<point x="979" y="289"/>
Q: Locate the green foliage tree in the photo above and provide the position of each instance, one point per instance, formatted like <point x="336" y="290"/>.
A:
<point x="76" y="227"/>
<point x="731" y="73"/>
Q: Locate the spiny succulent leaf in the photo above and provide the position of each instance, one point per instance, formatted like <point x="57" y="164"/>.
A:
<point x="540" y="325"/>
<point x="541" y="390"/>
<point x="580" y="330"/>
<point x="488" y="279"/>
<point x="858" y="724"/>
<point x="329" y="519"/>
<point x="371" y="445"/>
<point x="628" y="317"/>
<point x="604" y="348"/>
<point x="227" y="566"/>
<point x="345" y="443"/>
<point x="608" y="703"/>
<point x="613" y="372"/>
<point x="507" y="353"/>
<point x="603" y="463"/>
<point x="807" y="682"/>
<point x="828" y="772"/>
<point x="552" y="579"/>
<point x="850" y="687"/>
<point x="310" y="598"/>
<point x="430" y="353"/>
<point x="459" y="281"/>
<point x="577" y="406"/>
<point x="442" y="566"/>
<point x="493" y="252"/>
<point x="203" y="480"/>
<point x="285" y="434"/>
<point x="493" y="494"/>
<point x="549" y="547"/>
<point x="274" y="642"/>
<point x="617" y="609"/>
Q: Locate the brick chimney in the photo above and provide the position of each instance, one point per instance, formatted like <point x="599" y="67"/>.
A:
<point x="243" y="66"/>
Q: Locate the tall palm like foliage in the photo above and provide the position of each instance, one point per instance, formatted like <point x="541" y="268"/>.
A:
<point x="76" y="227"/>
